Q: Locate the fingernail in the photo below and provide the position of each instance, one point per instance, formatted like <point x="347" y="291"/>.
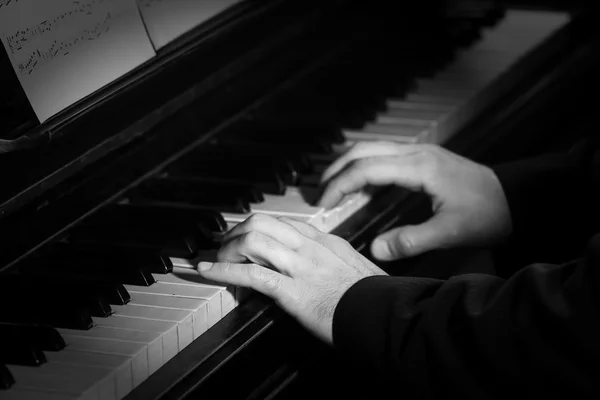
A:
<point x="380" y="249"/>
<point x="204" y="266"/>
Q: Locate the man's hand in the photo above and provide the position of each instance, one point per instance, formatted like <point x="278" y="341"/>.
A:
<point x="303" y="269"/>
<point x="469" y="204"/>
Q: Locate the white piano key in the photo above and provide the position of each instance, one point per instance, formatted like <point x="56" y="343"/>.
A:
<point x="119" y="365"/>
<point x="403" y="104"/>
<point x="396" y="132"/>
<point x="136" y="352"/>
<point x="187" y="276"/>
<point x="151" y="340"/>
<point x="102" y="383"/>
<point x="31" y="379"/>
<point x="294" y="203"/>
<point x="183" y="318"/>
<point x="199" y="307"/>
<point x="168" y="329"/>
<point x="213" y="296"/>
<point x="369" y="134"/>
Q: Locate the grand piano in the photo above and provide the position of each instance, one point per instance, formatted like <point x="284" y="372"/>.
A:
<point x="106" y="207"/>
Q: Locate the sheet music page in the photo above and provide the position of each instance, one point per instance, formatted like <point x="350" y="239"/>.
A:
<point x="64" y="50"/>
<point x="168" y="19"/>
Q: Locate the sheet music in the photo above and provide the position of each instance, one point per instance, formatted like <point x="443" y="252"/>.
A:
<point x="64" y="50"/>
<point x="168" y="19"/>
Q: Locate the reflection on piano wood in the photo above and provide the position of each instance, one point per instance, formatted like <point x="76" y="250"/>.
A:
<point x="131" y="263"/>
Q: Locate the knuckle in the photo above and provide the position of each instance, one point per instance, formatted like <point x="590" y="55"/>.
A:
<point x="252" y="239"/>
<point x="337" y="241"/>
<point x="255" y="221"/>
<point x="265" y="278"/>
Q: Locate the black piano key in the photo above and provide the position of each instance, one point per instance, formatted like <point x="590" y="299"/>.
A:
<point x="27" y="356"/>
<point x="109" y="257"/>
<point x="114" y="293"/>
<point x="298" y="160"/>
<point x="212" y="219"/>
<point x="217" y="196"/>
<point x="174" y="216"/>
<point x="6" y="378"/>
<point x="45" y="302"/>
<point x="91" y="271"/>
<point x="297" y="135"/>
<point x="57" y="315"/>
<point x="203" y="161"/>
<point x="38" y="336"/>
<point x="154" y="240"/>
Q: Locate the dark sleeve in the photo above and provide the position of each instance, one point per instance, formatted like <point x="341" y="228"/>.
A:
<point x="479" y="336"/>
<point x="553" y="201"/>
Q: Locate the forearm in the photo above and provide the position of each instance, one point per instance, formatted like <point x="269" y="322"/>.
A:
<point x="476" y="335"/>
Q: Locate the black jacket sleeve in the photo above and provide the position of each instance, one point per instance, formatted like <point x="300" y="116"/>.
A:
<point x="553" y="204"/>
<point x="480" y="336"/>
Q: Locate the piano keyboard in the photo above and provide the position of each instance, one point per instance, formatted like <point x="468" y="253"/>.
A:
<point x="129" y="329"/>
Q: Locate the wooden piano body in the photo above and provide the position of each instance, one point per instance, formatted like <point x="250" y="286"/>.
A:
<point x="260" y="61"/>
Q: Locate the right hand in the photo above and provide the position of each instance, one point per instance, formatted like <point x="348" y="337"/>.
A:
<point x="469" y="205"/>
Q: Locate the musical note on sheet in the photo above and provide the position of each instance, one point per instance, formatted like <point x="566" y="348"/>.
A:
<point x="166" y="20"/>
<point x="67" y="49"/>
<point x="7" y="2"/>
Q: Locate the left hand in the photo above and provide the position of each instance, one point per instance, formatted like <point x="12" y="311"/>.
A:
<point x="303" y="269"/>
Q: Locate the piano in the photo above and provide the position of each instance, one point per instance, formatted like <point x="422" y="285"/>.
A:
<point x="106" y="208"/>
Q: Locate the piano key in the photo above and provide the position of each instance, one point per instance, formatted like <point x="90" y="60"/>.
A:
<point x="167" y="329"/>
<point x="91" y="271"/>
<point x="95" y="381"/>
<point x="151" y="340"/>
<point x="141" y="238"/>
<point x="390" y="132"/>
<point x="210" y="219"/>
<point x="199" y="307"/>
<point x="38" y="336"/>
<point x="21" y="354"/>
<point x="112" y="257"/>
<point x="187" y="276"/>
<point x="201" y="163"/>
<point x="183" y="318"/>
<point x="49" y="313"/>
<point x="299" y="161"/>
<point x="212" y="295"/>
<point x="136" y="352"/>
<point x="119" y="366"/>
<point x="31" y="379"/>
<point x="114" y="293"/>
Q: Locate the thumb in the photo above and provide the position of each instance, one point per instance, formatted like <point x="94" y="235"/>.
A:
<point x="412" y="240"/>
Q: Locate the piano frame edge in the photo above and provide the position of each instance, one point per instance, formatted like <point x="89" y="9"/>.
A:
<point x="259" y="316"/>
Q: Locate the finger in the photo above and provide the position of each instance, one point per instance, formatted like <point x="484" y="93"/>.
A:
<point x="260" y="249"/>
<point x="412" y="240"/>
<point x="362" y="150"/>
<point x="305" y="229"/>
<point x="261" y="279"/>
<point x="266" y="225"/>
<point x="384" y="170"/>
